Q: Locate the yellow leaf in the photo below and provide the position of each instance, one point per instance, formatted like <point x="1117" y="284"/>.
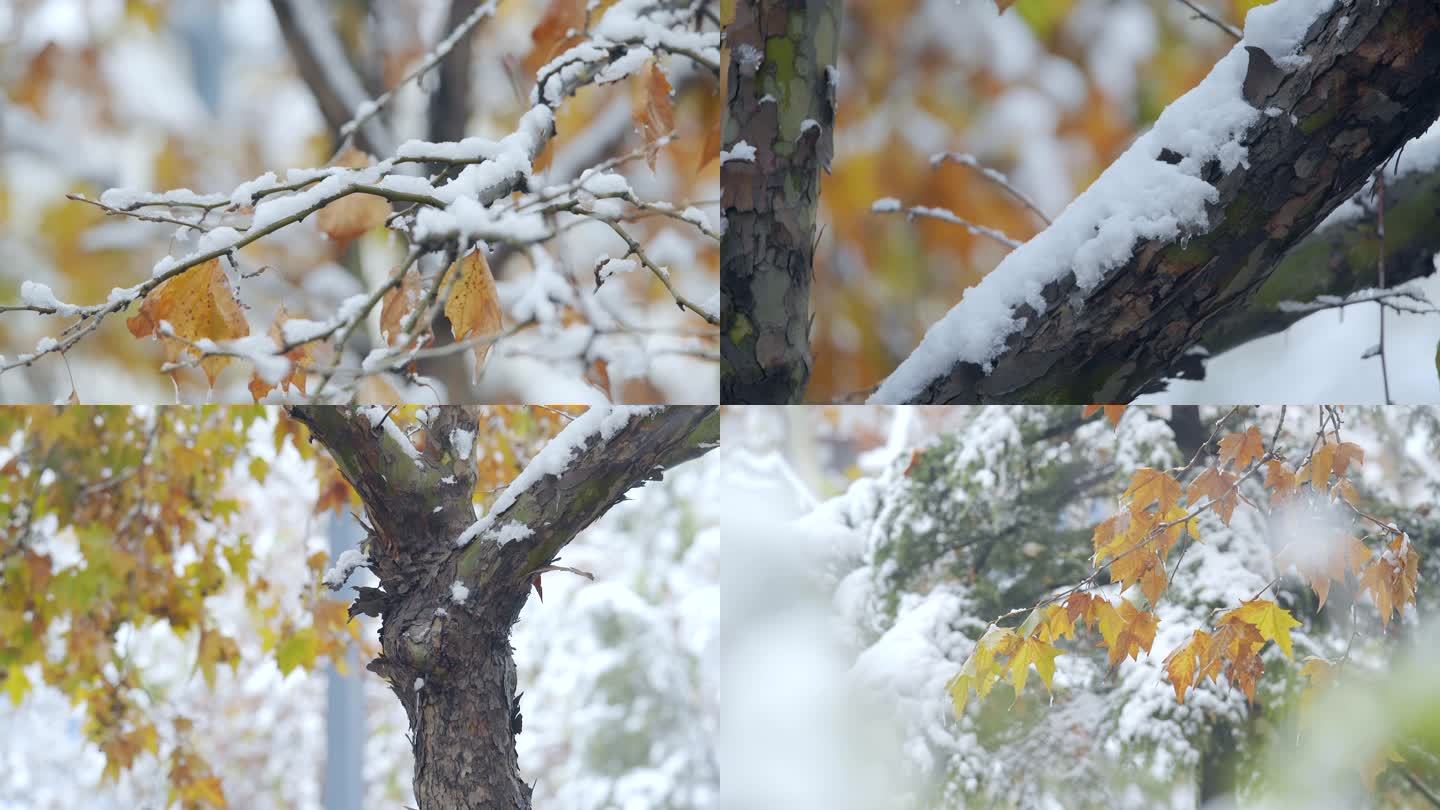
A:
<point x="1320" y="465"/>
<point x="1272" y="621"/>
<point x="16" y="684"/>
<point x="473" y="307"/>
<point x="198" y="304"/>
<point x="297" y="650"/>
<point x="1032" y="651"/>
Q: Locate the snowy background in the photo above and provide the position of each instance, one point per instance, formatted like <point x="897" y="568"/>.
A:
<point x="841" y="634"/>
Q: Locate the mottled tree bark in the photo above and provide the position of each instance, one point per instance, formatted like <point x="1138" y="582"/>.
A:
<point x="1368" y="87"/>
<point x="781" y="103"/>
<point x="450" y="662"/>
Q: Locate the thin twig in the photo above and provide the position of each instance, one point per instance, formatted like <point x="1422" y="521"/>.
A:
<point x="1210" y="16"/>
<point x="966" y="159"/>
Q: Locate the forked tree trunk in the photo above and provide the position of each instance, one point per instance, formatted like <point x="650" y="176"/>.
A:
<point x="782" y="105"/>
<point x="449" y="659"/>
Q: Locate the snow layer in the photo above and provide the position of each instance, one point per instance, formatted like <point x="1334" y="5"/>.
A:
<point x="553" y="459"/>
<point x="1138" y="197"/>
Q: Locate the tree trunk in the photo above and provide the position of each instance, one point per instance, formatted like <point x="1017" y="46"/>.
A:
<point x="782" y="103"/>
<point x="447" y="609"/>
<point x="1368" y="87"/>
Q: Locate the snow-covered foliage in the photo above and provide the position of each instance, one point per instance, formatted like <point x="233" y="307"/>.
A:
<point x="903" y="572"/>
<point x="513" y="189"/>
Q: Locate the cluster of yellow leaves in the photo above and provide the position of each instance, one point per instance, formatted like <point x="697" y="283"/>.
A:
<point x="1234" y="647"/>
<point x="1156" y="511"/>
<point x="1008" y="653"/>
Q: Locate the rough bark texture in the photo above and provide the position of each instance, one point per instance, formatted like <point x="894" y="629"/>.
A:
<point x="781" y="102"/>
<point x="1340" y="259"/>
<point x="1369" y="86"/>
<point x="449" y="662"/>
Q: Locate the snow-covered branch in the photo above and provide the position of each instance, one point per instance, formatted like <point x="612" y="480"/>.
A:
<point x="1194" y="217"/>
<point x="481" y="195"/>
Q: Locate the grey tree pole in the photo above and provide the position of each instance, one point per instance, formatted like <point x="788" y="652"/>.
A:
<point x="344" y="700"/>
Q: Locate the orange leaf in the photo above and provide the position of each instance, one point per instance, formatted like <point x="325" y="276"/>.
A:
<point x="1239" y="449"/>
<point x="652" y="109"/>
<point x="1150" y="486"/>
<point x="198" y="304"/>
<point x="474" y="307"/>
<point x="1320" y="465"/>
<point x="558" y="29"/>
<point x="1346" y="452"/>
<point x="298" y="357"/>
<point x="1112" y="412"/>
<point x="398" y="302"/>
<point x="352" y="215"/>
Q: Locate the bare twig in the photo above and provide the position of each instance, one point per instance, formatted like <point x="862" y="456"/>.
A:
<point x="1210" y="16"/>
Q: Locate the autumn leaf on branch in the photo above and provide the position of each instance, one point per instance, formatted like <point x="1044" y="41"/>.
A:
<point x="350" y="217"/>
<point x="474" y="306"/>
<point x="652" y="109"/>
<point x="299" y="358"/>
<point x="197" y="304"/>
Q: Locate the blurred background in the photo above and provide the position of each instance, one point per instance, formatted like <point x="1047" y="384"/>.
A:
<point x="203" y="94"/>
<point x="866" y="548"/>
<point x="1049" y="93"/>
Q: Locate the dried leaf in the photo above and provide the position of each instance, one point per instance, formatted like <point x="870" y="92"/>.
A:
<point x="473" y="307"/>
<point x="397" y="304"/>
<point x="652" y="109"/>
<point x="198" y="303"/>
<point x="351" y="216"/>
<point x="1239" y="449"/>
<point x="299" y="357"/>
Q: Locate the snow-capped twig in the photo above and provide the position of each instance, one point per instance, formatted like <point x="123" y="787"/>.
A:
<point x="893" y="206"/>
<point x="1397" y="299"/>
<point x="999" y="179"/>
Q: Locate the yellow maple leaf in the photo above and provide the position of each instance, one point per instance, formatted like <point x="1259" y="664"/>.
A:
<point x="1272" y="621"/>
<point x="1239" y="449"/>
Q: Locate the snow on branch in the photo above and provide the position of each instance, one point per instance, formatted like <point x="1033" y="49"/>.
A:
<point x="602" y="422"/>
<point x="480" y="197"/>
<point x="1194" y="215"/>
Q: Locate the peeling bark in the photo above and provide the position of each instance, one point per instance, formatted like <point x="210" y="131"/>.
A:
<point x="450" y="663"/>
<point x="781" y="102"/>
<point x="1368" y="87"/>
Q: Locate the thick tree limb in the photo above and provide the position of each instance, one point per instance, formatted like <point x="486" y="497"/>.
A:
<point x="1363" y="85"/>
<point x="321" y="60"/>
<point x="450" y="103"/>
<point x="1339" y="258"/>
<point x="781" y="104"/>
<point x="447" y="608"/>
